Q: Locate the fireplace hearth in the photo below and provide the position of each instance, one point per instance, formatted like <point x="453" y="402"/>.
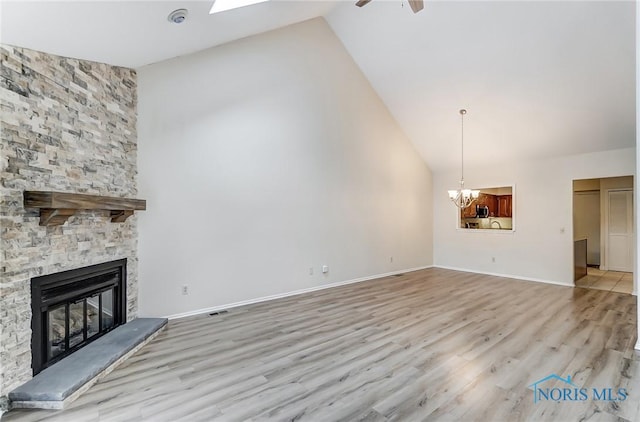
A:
<point x="73" y="308"/>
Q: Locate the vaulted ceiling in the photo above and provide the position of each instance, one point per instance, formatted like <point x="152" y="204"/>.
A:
<point x="539" y="79"/>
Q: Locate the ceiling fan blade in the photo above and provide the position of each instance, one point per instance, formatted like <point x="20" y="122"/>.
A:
<point x="361" y="3"/>
<point x="416" y="5"/>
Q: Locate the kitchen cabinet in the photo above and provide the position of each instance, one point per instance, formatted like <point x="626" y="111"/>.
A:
<point x="504" y="206"/>
<point x="470" y="211"/>
<point x="484" y="199"/>
<point x="492" y="203"/>
<point x="489" y="201"/>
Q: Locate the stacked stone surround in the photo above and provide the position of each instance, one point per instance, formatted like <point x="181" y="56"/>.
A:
<point x="67" y="125"/>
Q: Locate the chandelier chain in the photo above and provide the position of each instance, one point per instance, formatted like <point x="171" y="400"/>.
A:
<point x="462" y="197"/>
<point x="462" y="145"/>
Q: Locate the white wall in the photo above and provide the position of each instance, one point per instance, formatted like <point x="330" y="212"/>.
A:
<point x="267" y="156"/>
<point x="541" y="248"/>
<point x="636" y="188"/>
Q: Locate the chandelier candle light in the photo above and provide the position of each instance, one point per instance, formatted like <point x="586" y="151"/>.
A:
<point x="462" y="197"/>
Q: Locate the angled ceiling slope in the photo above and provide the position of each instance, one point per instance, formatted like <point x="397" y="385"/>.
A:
<point x="137" y="33"/>
<point x="539" y="79"/>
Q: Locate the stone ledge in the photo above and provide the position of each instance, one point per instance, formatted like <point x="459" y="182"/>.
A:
<point x="63" y="382"/>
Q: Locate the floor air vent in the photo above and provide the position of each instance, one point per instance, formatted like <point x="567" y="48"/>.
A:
<point x="218" y="313"/>
<point x="398" y="275"/>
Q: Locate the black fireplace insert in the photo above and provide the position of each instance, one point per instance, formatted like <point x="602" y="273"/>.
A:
<point x="73" y="308"/>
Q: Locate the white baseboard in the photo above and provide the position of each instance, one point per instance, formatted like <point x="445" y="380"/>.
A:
<point x="515" y="277"/>
<point x="637" y="346"/>
<point x="293" y="293"/>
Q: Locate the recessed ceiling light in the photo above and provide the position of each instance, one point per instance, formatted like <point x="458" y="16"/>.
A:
<point x="223" y="5"/>
<point x="178" y="16"/>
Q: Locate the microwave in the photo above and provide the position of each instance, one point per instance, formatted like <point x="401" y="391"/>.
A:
<point x="482" y="211"/>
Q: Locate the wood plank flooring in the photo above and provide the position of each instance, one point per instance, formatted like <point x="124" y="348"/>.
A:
<point x="429" y="345"/>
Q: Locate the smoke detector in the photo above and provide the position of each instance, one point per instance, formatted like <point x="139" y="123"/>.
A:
<point x="178" y="16"/>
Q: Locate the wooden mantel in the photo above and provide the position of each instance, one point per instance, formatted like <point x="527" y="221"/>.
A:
<point x="57" y="207"/>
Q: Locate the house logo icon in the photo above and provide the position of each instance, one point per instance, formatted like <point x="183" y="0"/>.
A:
<point x="539" y="392"/>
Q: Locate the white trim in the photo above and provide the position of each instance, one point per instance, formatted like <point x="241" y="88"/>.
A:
<point x="492" y="231"/>
<point x="293" y="293"/>
<point x="515" y="277"/>
<point x="637" y="346"/>
<point x="513" y="218"/>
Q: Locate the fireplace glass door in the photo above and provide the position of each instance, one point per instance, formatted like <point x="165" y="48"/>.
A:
<point x="73" y="308"/>
<point x="75" y="322"/>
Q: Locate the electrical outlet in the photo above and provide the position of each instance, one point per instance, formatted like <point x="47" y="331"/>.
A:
<point x="493" y="259"/>
<point x="310" y="270"/>
<point x="325" y="269"/>
<point x="391" y="259"/>
<point x="185" y="290"/>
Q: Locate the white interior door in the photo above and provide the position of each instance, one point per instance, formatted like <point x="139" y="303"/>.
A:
<point x="619" y="249"/>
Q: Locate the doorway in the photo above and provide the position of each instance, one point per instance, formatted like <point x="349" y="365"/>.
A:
<point x="604" y="235"/>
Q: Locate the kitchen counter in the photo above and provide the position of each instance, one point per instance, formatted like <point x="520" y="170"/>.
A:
<point x="489" y="223"/>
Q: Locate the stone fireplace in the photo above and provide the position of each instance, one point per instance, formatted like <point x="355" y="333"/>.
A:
<point x="66" y="125"/>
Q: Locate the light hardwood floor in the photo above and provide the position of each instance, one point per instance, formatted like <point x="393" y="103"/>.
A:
<point x="429" y="345"/>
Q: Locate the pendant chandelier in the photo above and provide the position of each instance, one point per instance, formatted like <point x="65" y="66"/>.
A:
<point x="462" y="197"/>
